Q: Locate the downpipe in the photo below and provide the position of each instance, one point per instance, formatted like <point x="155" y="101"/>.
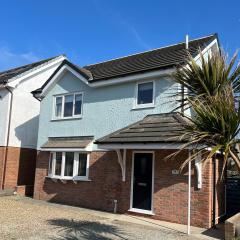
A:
<point x="115" y="206"/>
<point x="7" y="143"/>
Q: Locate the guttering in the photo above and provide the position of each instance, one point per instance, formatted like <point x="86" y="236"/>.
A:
<point x="117" y="80"/>
<point x="150" y="145"/>
<point x="8" y="134"/>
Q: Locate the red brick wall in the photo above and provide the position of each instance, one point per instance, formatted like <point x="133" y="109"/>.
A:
<point x="99" y="193"/>
<point x="2" y="151"/>
<point x="20" y="166"/>
<point x="170" y="191"/>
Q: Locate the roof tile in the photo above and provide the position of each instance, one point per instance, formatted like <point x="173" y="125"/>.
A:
<point x="157" y="128"/>
<point x="155" y="59"/>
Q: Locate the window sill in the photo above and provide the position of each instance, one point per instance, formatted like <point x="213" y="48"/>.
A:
<point x="136" y="210"/>
<point x="139" y="107"/>
<point x="64" y="119"/>
<point x="69" y="179"/>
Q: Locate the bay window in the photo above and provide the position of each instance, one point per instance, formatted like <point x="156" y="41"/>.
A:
<point x="68" y="165"/>
<point x="68" y="105"/>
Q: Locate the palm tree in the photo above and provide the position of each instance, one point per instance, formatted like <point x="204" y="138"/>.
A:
<point x="210" y="89"/>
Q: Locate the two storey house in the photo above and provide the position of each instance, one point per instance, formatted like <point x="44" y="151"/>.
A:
<point x="105" y="131"/>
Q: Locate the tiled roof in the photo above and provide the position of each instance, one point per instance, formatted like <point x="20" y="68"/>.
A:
<point x="151" y="60"/>
<point x="67" y="142"/>
<point x="161" y="58"/>
<point x="157" y="128"/>
<point x="5" y="76"/>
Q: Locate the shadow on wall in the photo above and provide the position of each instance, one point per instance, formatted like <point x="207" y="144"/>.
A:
<point x="27" y="166"/>
<point x="27" y="133"/>
<point x="89" y="230"/>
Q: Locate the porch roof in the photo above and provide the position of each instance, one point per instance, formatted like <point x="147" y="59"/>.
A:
<point x="68" y="142"/>
<point x="157" y="128"/>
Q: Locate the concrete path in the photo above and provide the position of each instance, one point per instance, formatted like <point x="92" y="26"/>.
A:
<point x="25" y="218"/>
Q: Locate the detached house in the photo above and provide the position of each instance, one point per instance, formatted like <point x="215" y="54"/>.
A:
<point x="19" y="122"/>
<point x="105" y="131"/>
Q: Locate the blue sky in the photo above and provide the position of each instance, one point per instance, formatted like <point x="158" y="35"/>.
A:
<point x="93" y="31"/>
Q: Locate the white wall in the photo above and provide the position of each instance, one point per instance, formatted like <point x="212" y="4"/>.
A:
<point x="4" y="108"/>
<point x="25" y="111"/>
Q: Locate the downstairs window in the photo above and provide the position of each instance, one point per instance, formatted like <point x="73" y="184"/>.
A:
<point x="69" y="165"/>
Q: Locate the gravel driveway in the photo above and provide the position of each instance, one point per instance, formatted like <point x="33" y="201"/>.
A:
<point x="25" y="218"/>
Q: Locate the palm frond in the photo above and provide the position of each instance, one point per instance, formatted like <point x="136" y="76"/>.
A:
<point x="210" y="86"/>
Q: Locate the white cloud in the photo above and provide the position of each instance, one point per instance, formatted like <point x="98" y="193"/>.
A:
<point x="9" y="59"/>
<point x="139" y="39"/>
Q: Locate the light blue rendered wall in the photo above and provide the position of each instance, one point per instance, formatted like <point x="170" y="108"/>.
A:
<point x="105" y="109"/>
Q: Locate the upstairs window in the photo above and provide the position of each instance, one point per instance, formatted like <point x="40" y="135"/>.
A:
<point x="145" y="94"/>
<point x="68" y="106"/>
<point x="68" y="165"/>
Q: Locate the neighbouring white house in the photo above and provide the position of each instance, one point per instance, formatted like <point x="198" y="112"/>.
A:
<point x="19" y="121"/>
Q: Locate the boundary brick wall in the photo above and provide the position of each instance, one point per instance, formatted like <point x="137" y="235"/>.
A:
<point x="20" y="166"/>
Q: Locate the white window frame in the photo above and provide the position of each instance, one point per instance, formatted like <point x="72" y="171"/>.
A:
<point x="75" y="177"/>
<point x="54" y="117"/>
<point x="146" y="105"/>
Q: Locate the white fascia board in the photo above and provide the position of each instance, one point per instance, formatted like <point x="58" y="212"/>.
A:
<point x="151" y="146"/>
<point x="64" y="150"/>
<point x="207" y="48"/>
<point x="140" y="76"/>
<point x="88" y="148"/>
<point x="135" y="77"/>
<point x="13" y="82"/>
<point x="141" y="146"/>
<point x="58" y="76"/>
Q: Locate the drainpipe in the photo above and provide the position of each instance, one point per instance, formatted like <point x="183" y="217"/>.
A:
<point x="189" y="163"/>
<point x="182" y="87"/>
<point x="7" y="144"/>
<point x="189" y="197"/>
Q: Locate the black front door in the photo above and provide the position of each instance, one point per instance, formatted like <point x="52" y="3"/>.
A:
<point x="142" y="181"/>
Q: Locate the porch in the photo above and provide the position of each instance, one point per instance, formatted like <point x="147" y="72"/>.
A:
<point x="158" y="188"/>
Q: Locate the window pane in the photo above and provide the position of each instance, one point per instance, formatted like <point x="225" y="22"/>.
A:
<point x="82" y="166"/>
<point x="145" y="93"/>
<point x="78" y="104"/>
<point x="58" y="164"/>
<point x="50" y="164"/>
<point x="68" y="106"/>
<point x="58" y="107"/>
<point x="69" y="160"/>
